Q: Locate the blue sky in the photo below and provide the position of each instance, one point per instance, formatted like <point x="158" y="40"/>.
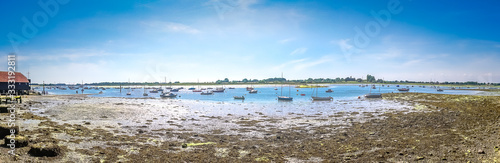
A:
<point x="187" y="40"/>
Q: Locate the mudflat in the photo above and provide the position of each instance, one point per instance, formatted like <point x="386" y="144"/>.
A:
<point x="401" y="127"/>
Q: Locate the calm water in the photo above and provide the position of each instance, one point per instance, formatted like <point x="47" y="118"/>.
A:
<point x="265" y="93"/>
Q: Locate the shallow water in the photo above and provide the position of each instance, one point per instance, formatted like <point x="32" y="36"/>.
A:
<point x="266" y="94"/>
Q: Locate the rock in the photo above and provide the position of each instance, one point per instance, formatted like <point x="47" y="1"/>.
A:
<point x="5" y="130"/>
<point x="45" y="149"/>
<point x="3" y="109"/>
<point x="87" y="123"/>
<point x="184" y="145"/>
<point x="481" y="151"/>
<point x="20" y="141"/>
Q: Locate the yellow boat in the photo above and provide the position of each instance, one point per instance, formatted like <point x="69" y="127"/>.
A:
<point x="310" y="86"/>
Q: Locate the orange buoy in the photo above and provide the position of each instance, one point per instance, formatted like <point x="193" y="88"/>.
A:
<point x="359" y="97"/>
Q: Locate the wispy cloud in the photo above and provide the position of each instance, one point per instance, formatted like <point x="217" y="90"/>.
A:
<point x="299" y="51"/>
<point x="284" y="41"/>
<point x="413" y="62"/>
<point x="170" y="27"/>
<point x="304" y="65"/>
<point x="281" y="66"/>
<point x="64" y="54"/>
<point x="343" y="44"/>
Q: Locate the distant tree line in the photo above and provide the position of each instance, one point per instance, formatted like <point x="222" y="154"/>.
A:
<point x="350" y="79"/>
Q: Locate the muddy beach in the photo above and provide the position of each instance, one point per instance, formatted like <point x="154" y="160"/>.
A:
<point x="406" y="127"/>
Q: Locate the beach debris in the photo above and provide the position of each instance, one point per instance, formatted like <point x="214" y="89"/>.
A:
<point x="45" y="149"/>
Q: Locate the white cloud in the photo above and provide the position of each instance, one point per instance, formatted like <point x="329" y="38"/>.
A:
<point x="304" y="65"/>
<point x="344" y="45"/>
<point x="299" y="51"/>
<point x="286" y="40"/>
<point x="64" y="54"/>
<point x="171" y="27"/>
<point x="413" y="62"/>
<point x="281" y="66"/>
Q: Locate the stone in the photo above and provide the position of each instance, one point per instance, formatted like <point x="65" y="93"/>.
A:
<point x="21" y="141"/>
<point x="45" y="149"/>
<point x="5" y="130"/>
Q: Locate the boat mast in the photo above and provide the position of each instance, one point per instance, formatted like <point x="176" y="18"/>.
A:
<point x="282" y="84"/>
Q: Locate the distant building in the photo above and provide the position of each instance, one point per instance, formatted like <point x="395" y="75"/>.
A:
<point x="22" y="85"/>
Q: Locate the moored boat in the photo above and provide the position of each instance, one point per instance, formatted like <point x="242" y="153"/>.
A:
<point x="285" y="98"/>
<point x="239" y="97"/>
<point x="315" y="98"/>
<point x="207" y="93"/>
<point x="329" y="91"/>
<point x="253" y="91"/>
<point x="404" y="89"/>
<point x="168" y="95"/>
<point x="373" y="95"/>
<point x="219" y="90"/>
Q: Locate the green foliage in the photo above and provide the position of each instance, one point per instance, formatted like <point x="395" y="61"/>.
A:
<point x="370" y="78"/>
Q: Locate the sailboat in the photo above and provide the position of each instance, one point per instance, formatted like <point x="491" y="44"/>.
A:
<point x="285" y="98"/>
<point x="168" y="95"/>
<point x="250" y="88"/>
<point x="129" y="93"/>
<point x="207" y="93"/>
<point x="239" y="97"/>
<point x="145" y="94"/>
<point x="198" y="90"/>
<point x="317" y="98"/>
<point x="219" y="89"/>
<point x="374" y="95"/>
<point x="404" y="89"/>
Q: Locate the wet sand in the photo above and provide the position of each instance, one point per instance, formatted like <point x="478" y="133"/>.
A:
<point x="401" y="127"/>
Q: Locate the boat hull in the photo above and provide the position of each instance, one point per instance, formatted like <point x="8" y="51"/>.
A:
<point x="373" y="95"/>
<point x="283" y="98"/>
<point x="322" y="98"/>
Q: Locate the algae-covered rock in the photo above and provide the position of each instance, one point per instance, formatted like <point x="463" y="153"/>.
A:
<point x="45" y="149"/>
<point x="5" y="130"/>
<point x="185" y="145"/>
<point x="4" y="109"/>
<point x="20" y="141"/>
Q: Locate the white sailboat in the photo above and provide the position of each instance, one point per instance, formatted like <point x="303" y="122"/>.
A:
<point x="317" y="98"/>
<point x="129" y="93"/>
<point x="285" y="98"/>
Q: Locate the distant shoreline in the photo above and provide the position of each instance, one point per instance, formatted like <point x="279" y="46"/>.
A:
<point x="250" y="84"/>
